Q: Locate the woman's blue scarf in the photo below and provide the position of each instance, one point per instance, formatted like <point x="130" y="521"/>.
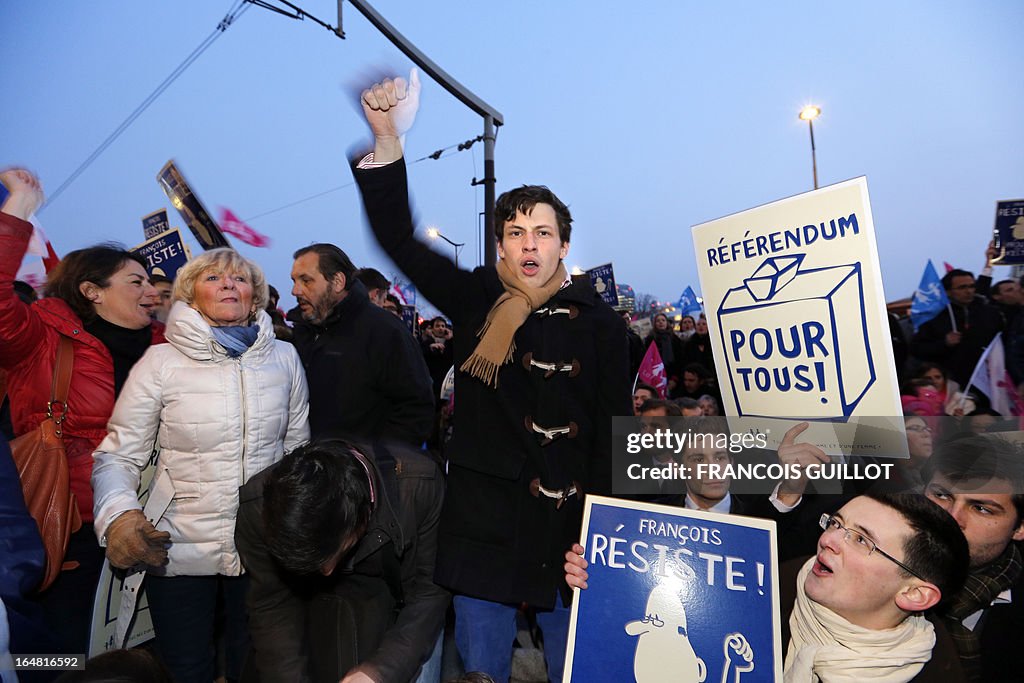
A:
<point x="236" y="338"/>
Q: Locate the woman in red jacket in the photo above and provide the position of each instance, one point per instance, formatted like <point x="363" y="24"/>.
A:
<point x="100" y="298"/>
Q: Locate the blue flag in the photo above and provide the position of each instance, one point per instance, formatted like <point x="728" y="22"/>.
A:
<point x="688" y="304"/>
<point x="930" y="298"/>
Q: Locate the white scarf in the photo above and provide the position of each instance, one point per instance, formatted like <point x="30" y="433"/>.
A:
<point x="825" y="646"/>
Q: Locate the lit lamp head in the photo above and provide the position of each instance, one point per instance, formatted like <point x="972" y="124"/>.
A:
<point x="433" y="233"/>
<point x="810" y="112"/>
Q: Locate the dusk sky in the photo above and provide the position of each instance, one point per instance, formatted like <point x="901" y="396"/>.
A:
<point x="646" y="118"/>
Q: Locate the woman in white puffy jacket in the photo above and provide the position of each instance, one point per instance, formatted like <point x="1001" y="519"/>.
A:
<point x="221" y="401"/>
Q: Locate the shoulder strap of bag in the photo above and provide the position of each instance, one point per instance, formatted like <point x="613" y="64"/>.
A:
<point x="62" y="368"/>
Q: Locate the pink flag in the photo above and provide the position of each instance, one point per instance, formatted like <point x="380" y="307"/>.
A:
<point x="652" y="370"/>
<point x="232" y="225"/>
<point x="949" y="266"/>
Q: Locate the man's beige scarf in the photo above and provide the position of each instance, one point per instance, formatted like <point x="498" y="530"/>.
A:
<point x="826" y="647"/>
<point x="508" y="313"/>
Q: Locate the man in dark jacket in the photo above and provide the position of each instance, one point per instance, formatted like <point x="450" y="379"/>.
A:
<point x="956" y="338"/>
<point x="979" y="480"/>
<point x="535" y="389"/>
<point x="339" y="543"/>
<point x="366" y="374"/>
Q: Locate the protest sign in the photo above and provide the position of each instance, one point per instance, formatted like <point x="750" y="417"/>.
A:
<point x="1009" y="232"/>
<point x="155" y="224"/>
<point x="409" y="317"/>
<point x="107" y="603"/>
<point x="164" y="254"/>
<point x="675" y="594"/>
<point x="797" y="318"/>
<point x="185" y="200"/>
<point x="603" y="280"/>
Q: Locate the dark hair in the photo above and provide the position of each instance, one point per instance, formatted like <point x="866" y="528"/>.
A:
<point x="473" y="677"/>
<point x="93" y="264"/>
<point x="25" y="291"/>
<point x="394" y="299"/>
<point x="646" y="387"/>
<point x="372" y="278"/>
<point x="120" y="666"/>
<point x="440" y="317"/>
<point x="157" y="279"/>
<point x="332" y="261"/>
<point x="696" y="368"/>
<point x="947" y="279"/>
<point x="313" y="500"/>
<point x="687" y="403"/>
<point x="671" y="409"/>
<point x="523" y="199"/>
<point x="979" y="458"/>
<point x="937" y="549"/>
<point x="999" y="285"/>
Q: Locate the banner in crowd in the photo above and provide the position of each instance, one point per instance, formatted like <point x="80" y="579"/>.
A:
<point x="799" y="328"/>
<point x="155" y="224"/>
<point x="233" y="225"/>
<point x="603" y="280"/>
<point x="187" y="202"/>
<point x="652" y="371"/>
<point x="690" y="594"/>
<point x="688" y="304"/>
<point x="1009" y="232"/>
<point x="929" y="298"/>
<point x="165" y="254"/>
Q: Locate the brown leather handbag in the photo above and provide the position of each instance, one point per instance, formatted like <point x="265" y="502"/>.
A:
<point x="43" y="468"/>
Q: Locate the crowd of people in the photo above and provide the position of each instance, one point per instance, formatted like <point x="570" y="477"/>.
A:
<point x="318" y="512"/>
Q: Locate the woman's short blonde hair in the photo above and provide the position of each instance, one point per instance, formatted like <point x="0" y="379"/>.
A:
<point x="222" y="260"/>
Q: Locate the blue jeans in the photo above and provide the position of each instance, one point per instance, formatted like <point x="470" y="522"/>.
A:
<point x="183" y="609"/>
<point x="484" y="632"/>
<point x="431" y="670"/>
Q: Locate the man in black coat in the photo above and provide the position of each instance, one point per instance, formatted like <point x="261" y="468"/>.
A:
<point x="956" y="338"/>
<point x="365" y="371"/>
<point x="536" y="388"/>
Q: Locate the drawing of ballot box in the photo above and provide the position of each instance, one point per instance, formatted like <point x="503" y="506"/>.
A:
<point x="796" y="341"/>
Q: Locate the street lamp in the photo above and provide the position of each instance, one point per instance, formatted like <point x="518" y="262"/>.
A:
<point x="808" y="114"/>
<point x="434" y="233"/>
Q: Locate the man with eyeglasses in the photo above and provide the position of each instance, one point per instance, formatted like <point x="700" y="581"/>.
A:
<point x="980" y="482"/>
<point x="855" y="611"/>
<point x="957" y="337"/>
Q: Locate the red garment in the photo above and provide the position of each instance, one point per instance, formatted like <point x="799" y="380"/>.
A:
<point x="28" y="346"/>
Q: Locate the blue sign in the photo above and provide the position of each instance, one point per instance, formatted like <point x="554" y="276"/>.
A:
<point x="155" y="224"/>
<point x="164" y="254"/>
<point x="4" y="193"/>
<point x="409" y="317"/>
<point x="603" y="280"/>
<point x="675" y="594"/>
<point x="1009" y="232"/>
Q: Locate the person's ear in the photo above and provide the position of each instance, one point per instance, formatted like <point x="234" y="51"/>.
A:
<point x="338" y="283"/>
<point x="1018" y="534"/>
<point x="918" y="597"/>
<point x="564" y="251"/>
<point x="91" y="291"/>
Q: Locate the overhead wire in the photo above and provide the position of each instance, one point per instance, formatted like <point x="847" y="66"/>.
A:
<point x="237" y="10"/>
<point x="439" y="154"/>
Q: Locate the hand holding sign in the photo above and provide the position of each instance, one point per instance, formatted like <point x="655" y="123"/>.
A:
<point x="802" y="454"/>
<point x="576" y="567"/>
<point x="26" y="192"/>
